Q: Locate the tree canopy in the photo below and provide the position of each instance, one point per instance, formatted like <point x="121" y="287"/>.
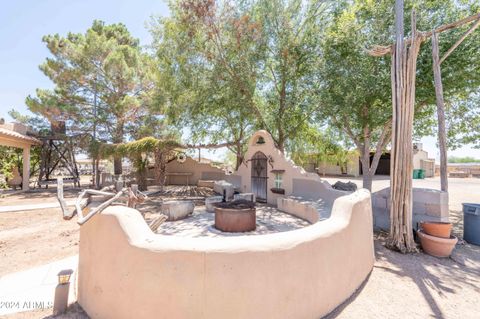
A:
<point x="103" y="82"/>
<point x="222" y="69"/>
<point x="355" y="94"/>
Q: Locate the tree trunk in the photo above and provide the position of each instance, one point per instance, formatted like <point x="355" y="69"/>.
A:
<point x="239" y="155"/>
<point x="160" y="168"/>
<point x="367" y="177"/>
<point x="141" y="175"/>
<point x="404" y="63"/>
<point x="281" y="142"/>
<point x="442" y="131"/>
<point x="370" y="168"/>
<point x="97" y="174"/>
<point x="118" y="138"/>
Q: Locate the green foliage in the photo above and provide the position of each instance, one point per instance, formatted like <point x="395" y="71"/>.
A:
<point x="233" y="66"/>
<point x="463" y="121"/>
<point x="134" y="148"/>
<point x="37" y="123"/>
<point x="12" y="157"/>
<point x="466" y="159"/>
<point x="320" y="149"/>
<point x="104" y="66"/>
<point x="355" y="91"/>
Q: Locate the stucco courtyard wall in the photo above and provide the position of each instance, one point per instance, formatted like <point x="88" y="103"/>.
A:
<point x="197" y="170"/>
<point x="278" y="162"/>
<point x="126" y="271"/>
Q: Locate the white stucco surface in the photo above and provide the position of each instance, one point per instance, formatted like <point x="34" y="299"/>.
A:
<point x="295" y="178"/>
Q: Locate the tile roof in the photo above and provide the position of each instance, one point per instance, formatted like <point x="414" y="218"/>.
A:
<point x="17" y="136"/>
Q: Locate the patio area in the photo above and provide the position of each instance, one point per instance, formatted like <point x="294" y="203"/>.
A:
<point x="201" y="224"/>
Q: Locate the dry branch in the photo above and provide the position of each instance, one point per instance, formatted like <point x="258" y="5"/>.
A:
<point x="442" y="131"/>
<point x="157" y="222"/>
<point x="459" y="41"/>
<point x="379" y="50"/>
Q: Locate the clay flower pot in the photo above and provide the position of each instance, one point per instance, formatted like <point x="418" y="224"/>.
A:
<point x="437" y="229"/>
<point x="437" y="246"/>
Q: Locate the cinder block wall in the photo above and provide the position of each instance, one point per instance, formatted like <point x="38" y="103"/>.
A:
<point x="428" y="205"/>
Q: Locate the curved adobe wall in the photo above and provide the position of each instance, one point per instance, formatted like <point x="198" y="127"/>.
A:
<point x="126" y="271"/>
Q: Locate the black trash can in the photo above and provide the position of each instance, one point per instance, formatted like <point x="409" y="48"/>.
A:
<point x="471" y="223"/>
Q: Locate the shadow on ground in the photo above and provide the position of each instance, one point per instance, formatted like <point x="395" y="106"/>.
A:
<point x="437" y="279"/>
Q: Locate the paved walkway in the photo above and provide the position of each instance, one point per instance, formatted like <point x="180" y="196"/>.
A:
<point x="34" y="289"/>
<point x="19" y="208"/>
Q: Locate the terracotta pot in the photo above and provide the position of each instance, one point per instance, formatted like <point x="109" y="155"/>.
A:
<point x="437" y="229"/>
<point x="437" y="246"/>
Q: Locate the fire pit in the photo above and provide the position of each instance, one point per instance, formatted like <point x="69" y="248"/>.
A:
<point x="235" y="217"/>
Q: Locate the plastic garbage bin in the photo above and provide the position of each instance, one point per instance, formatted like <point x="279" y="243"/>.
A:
<point x="471" y="223"/>
<point x="421" y="173"/>
<point x="416" y="174"/>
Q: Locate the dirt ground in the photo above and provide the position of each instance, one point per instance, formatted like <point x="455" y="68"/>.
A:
<point x="37" y="196"/>
<point x="399" y="286"/>
<point x="34" y="238"/>
<point x="417" y="286"/>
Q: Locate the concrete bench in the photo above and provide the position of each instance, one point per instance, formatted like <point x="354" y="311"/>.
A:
<point x="309" y="210"/>
<point x="176" y="209"/>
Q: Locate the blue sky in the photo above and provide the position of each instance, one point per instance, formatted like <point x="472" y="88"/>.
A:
<point x="23" y="23"/>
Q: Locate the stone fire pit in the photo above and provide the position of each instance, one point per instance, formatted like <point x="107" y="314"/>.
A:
<point x="236" y="216"/>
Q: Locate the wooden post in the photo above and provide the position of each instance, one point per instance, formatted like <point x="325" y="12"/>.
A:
<point x="442" y="131"/>
<point x="118" y="186"/>
<point x="26" y="168"/>
<point x="404" y="62"/>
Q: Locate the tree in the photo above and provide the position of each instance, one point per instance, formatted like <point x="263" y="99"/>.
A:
<point x="316" y="148"/>
<point x="463" y="121"/>
<point x="234" y="66"/>
<point x="354" y="96"/>
<point x="291" y="33"/>
<point x="355" y="93"/>
<point x="102" y="79"/>
<point x="205" y="92"/>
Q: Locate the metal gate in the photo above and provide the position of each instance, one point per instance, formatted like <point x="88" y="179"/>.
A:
<point x="259" y="176"/>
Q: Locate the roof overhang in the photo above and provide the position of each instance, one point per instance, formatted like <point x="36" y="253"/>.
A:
<point x="14" y="139"/>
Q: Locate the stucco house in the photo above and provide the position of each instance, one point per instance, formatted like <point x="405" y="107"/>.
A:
<point x="354" y="167"/>
<point x="184" y="170"/>
<point x="15" y="135"/>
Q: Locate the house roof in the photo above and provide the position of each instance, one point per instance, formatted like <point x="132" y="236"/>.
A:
<point x="6" y="134"/>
